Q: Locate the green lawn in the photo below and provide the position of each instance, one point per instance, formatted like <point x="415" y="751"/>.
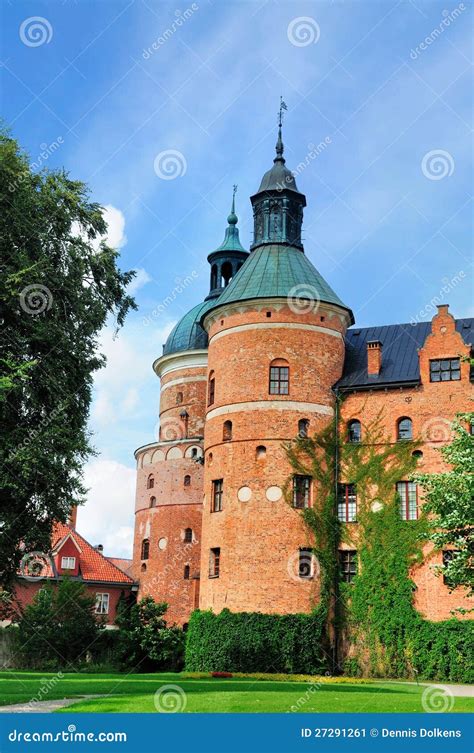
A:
<point x="136" y="693"/>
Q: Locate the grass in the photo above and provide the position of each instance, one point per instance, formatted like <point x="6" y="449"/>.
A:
<point x="201" y="693"/>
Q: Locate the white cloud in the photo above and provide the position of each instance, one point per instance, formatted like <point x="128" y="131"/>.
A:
<point x="108" y="516"/>
<point x="141" y="278"/>
<point x="115" y="220"/>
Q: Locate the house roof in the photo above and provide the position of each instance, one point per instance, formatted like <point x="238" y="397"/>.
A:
<point x="123" y="564"/>
<point x="400" y="344"/>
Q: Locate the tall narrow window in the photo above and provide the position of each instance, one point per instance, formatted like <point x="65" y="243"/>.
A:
<point x="301" y="491"/>
<point x="354" y="431"/>
<point x="227" y="431"/>
<point x="211" y="389"/>
<point x="188" y="535"/>
<point x="187" y="480"/>
<point x="303" y="428"/>
<point x="145" y="553"/>
<point x="445" y="370"/>
<point x="150" y="482"/>
<point x="305" y="562"/>
<point x="404" y="428"/>
<point x="217" y="493"/>
<point x="347" y="503"/>
<point x="179" y="398"/>
<point x="408" y="493"/>
<point x="102" y="603"/>
<point x="347" y="565"/>
<point x="187" y="571"/>
<point x="279" y="382"/>
<point x="152" y="501"/>
<point x="214" y="562"/>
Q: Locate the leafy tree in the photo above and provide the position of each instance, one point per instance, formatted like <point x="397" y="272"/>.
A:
<point x="59" y="626"/>
<point x="59" y="283"/>
<point x="449" y="497"/>
<point x="146" y="642"/>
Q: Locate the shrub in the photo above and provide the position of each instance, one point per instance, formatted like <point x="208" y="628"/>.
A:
<point x="145" y="641"/>
<point x="254" y="642"/>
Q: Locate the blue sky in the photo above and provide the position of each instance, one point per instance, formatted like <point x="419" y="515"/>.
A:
<point x="104" y="88"/>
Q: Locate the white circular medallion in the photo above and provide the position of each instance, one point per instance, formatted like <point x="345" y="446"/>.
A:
<point x="273" y="493"/>
<point x="162" y="543"/>
<point x="244" y="494"/>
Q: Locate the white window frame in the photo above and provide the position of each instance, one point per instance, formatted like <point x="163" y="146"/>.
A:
<point x="65" y="563"/>
<point x="101" y="602"/>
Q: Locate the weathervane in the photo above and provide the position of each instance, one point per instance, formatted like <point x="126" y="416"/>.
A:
<point x="283" y="106"/>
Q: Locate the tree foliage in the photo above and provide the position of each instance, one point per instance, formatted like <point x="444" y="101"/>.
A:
<point x="146" y="643"/>
<point x="59" y="283"/>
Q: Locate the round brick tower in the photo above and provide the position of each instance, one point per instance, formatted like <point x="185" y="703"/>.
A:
<point x="276" y="347"/>
<point x="168" y="509"/>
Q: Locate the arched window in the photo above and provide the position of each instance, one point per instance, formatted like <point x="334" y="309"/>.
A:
<point x="226" y="273"/>
<point x="211" y="389"/>
<point x="354" y="432"/>
<point x="404" y="428"/>
<point x="279" y="377"/>
<point x="150" y="482"/>
<point x="261" y="451"/>
<point x="188" y="535"/>
<point x="187" y="480"/>
<point x="143" y="568"/>
<point x="194" y="452"/>
<point x="145" y="553"/>
<point x="152" y="501"/>
<point x="187" y="571"/>
<point x="179" y="398"/>
<point x="227" y="431"/>
<point x="213" y="276"/>
<point x="303" y="428"/>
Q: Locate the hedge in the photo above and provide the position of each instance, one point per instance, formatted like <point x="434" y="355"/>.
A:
<point x="254" y="642"/>
<point x="443" y="650"/>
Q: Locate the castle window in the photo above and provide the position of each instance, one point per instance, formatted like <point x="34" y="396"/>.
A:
<point x="145" y="553"/>
<point x="305" y="562"/>
<point x="226" y="273"/>
<point x="150" y="482"/>
<point x="347" y="565"/>
<point x="445" y="370"/>
<point x="152" y="501"/>
<point x="188" y="535"/>
<point x="187" y="571"/>
<point x="417" y="454"/>
<point x="179" y="398"/>
<point x="102" y="603"/>
<point x="301" y="491"/>
<point x="279" y="382"/>
<point x="143" y="568"/>
<point x="227" y="431"/>
<point x="194" y="452"/>
<point x="448" y="556"/>
<point x="354" y="432"/>
<point x="408" y="493"/>
<point x="68" y="563"/>
<point x="303" y="428"/>
<point x="187" y="480"/>
<point x="261" y="451"/>
<point x="211" y="392"/>
<point x="214" y="276"/>
<point x="347" y="503"/>
<point x="404" y="428"/>
<point x="210" y="458"/>
<point x="217" y="493"/>
<point x="214" y="562"/>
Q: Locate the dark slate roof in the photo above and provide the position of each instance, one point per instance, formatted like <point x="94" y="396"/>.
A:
<point x="188" y="334"/>
<point x="400" y="344"/>
<point x="278" y="271"/>
<point x="278" y="178"/>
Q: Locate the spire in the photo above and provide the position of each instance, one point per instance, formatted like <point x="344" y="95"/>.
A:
<point x="279" y="144"/>
<point x="227" y="259"/>
<point x="232" y="219"/>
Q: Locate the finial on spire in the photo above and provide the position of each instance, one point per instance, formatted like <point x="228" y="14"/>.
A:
<point x="232" y="219"/>
<point x="279" y="145"/>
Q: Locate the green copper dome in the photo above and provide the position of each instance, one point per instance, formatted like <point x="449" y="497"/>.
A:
<point x="188" y="334"/>
<point x="278" y="271"/>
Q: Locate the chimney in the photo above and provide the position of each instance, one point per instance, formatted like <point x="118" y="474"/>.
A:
<point x="73" y="517"/>
<point x="374" y="357"/>
<point x="99" y="547"/>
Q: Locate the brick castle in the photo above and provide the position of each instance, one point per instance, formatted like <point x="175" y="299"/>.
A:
<point x="258" y="362"/>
